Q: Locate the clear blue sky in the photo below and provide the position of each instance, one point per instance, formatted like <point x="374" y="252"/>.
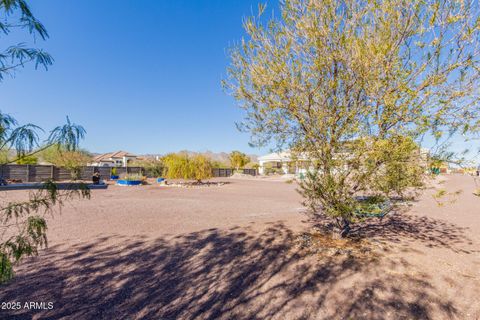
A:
<point x="153" y="66"/>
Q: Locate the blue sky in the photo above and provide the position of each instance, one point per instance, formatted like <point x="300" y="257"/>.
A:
<point x="142" y="76"/>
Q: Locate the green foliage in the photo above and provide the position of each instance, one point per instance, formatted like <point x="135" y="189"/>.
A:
<point x="273" y="171"/>
<point x="252" y="165"/>
<point x="6" y="267"/>
<point x="27" y="218"/>
<point x="23" y="222"/>
<point x="376" y="167"/>
<point x="4" y="156"/>
<point x="354" y="86"/>
<point x="220" y="164"/>
<point x="133" y="177"/>
<point x="389" y="166"/>
<point x="238" y="159"/>
<point x="27" y="160"/>
<point x="68" y="135"/>
<point x="201" y="167"/>
<point x="16" y="15"/>
<point x="23" y="139"/>
<point x="152" y="167"/>
<point x="182" y="166"/>
<point x="374" y="206"/>
<point x="71" y="160"/>
<point x="177" y="165"/>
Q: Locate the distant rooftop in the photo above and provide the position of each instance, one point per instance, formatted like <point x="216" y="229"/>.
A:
<point x="113" y="155"/>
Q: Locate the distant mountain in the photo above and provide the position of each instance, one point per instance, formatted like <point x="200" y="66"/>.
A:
<point x="215" y="156"/>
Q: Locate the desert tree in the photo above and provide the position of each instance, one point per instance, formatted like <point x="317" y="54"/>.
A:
<point x="201" y="167"/>
<point x="355" y="86"/>
<point x="152" y="167"/>
<point x="182" y="166"/>
<point x="27" y="160"/>
<point x="23" y="223"/>
<point x="238" y="159"/>
<point x="72" y="160"/>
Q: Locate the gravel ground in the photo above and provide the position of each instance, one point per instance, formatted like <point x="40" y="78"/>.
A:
<point x="229" y="252"/>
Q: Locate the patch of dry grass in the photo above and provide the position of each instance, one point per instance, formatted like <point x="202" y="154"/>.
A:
<point x="318" y="242"/>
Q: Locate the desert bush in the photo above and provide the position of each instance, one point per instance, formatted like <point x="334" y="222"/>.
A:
<point x="354" y="86"/>
<point x="27" y="160"/>
<point x="238" y="159"/>
<point x="151" y="167"/>
<point x="133" y="177"/>
<point x="273" y="171"/>
<point x="72" y="160"/>
<point x="183" y="166"/>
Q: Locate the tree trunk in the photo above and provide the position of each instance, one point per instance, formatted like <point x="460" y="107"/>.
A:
<point x="343" y="228"/>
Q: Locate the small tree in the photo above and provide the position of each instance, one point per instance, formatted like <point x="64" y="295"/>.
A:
<point x="176" y="165"/>
<point x="201" y="167"/>
<point x="238" y="159"/>
<point x="152" y="167"/>
<point x="72" y="160"/>
<point x="182" y="166"/>
<point x="23" y="223"/>
<point x="27" y="160"/>
<point x="344" y="83"/>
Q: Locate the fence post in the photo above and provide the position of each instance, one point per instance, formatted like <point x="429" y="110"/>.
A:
<point x="52" y="172"/>
<point x="27" y="177"/>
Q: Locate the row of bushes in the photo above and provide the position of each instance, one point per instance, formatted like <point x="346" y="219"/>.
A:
<point x="182" y="166"/>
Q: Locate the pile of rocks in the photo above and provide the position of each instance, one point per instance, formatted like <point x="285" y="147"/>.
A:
<point x="194" y="185"/>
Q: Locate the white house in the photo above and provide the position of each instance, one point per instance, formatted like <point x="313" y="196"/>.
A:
<point x="113" y="159"/>
<point x="283" y="161"/>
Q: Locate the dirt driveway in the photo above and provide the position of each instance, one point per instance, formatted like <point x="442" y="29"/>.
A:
<point x="228" y="253"/>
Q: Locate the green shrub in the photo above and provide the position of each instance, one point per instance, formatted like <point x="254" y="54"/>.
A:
<point x="27" y="160"/>
<point x="182" y="166"/>
<point x="133" y="177"/>
<point x="152" y="167"/>
<point x="238" y="159"/>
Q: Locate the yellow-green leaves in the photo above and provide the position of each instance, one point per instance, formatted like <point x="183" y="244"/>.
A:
<point x="183" y="166"/>
<point x="384" y="72"/>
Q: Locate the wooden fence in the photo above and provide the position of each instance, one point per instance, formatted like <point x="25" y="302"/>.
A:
<point x="252" y="172"/>
<point x="227" y="172"/>
<point x="39" y="173"/>
<point x="221" y="172"/>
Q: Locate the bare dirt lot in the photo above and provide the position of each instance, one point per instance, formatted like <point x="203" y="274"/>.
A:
<point x="230" y="252"/>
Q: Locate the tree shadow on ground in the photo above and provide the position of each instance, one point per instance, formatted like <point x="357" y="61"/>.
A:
<point x="433" y="233"/>
<point x="226" y="274"/>
<point x="401" y="227"/>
